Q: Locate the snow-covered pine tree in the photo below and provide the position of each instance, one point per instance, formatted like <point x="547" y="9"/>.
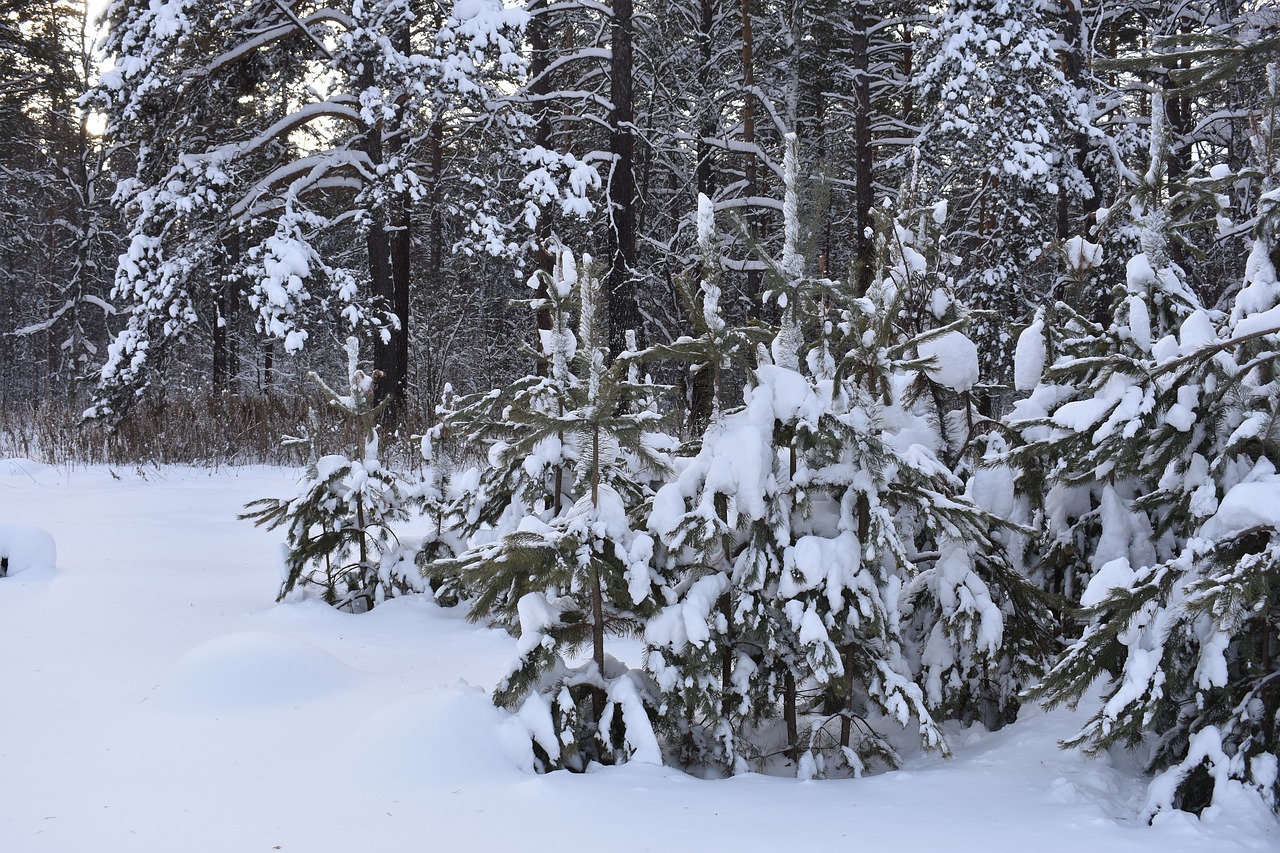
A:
<point x="1183" y="611"/>
<point x="976" y="628"/>
<point x="791" y="543"/>
<point x="1085" y="378"/>
<point x="339" y="527"/>
<point x="524" y="473"/>
<point x="444" y="537"/>
<point x="697" y="557"/>
<point x="262" y="136"/>
<point x="572" y="570"/>
<point x="997" y="147"/>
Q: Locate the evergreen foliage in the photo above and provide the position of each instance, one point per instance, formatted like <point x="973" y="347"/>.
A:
<point x="1180" y="614"/>
<point x="905" y="518"/>
<point x="340" y="537"/>
<point x="824" y="568"/>
<point x="571" y="456"/>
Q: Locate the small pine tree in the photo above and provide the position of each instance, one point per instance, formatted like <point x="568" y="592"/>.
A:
<point x="443" y="538"/>
<point x="574" y="572"/>
<point x="340" y="538"/>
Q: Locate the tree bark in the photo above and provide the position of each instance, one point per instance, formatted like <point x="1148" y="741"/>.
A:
<point x="789" y="714"/>
<point x="864" y="192"/>
<point x="388" y="243"/>
<point x="540" y="87"/>
<point x="623" y="309"/>
<point x="754" y="278"/>
<point x="224" y="366"/>
<point x="1073" y="70"/>
<point x="597" y="591"/>
<point x="705" y="175"/>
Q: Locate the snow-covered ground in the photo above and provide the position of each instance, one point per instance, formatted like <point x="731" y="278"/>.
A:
<point x="153" y="697"/>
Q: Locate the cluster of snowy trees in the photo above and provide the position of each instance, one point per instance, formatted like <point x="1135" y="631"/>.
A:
<point x="883" y="364"/>
<point x="848" y="553"/>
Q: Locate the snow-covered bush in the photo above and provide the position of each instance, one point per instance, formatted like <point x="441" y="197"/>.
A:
<point x="339" y="526"/>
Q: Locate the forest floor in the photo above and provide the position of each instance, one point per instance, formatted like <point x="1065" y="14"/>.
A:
<point x="153" y="697"/>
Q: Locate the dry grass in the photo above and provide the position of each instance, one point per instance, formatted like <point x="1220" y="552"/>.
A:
<point x="209" y="430"/>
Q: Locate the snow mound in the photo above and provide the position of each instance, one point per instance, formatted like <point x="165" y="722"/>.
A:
<point x="252" y="671"/>
<point x="19" y="467"/>
<point x="23" y="548"/>
<point x="435" y="738"/>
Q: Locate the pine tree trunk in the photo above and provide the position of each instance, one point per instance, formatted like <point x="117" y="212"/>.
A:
<point x="864" y="191"/>
<point x="623" y="310"/>
<point x="726" y="610"/>
<point x="701" y="383"/>
<point x="846" y="718"/>
<point x="705" y="175"/>
<point x="223" y="345"/>
<point x="544" y="263"/>
<point x="789" y="715"/>
<point x="1073" y="69"/>
<point x="754" y="278"/>
<point x="597" y="590"/>
<point x="388" y="245"/>
<point x="908" y="73"/>
<point x="268" y="364"/>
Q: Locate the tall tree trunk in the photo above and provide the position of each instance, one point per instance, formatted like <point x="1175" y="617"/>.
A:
<point x="705" y="175"/>
<point x="754" y="278"/>
<point x="864" y="190"/>
<point x="789" y="716"/>
<point x="388" y="245"/>
<point x="701" y="382"/>
<point x="597" y="591"/>
<point x="1073" y="69"/>
<point x="540" y="87"/>
<point x="224" y="368"/>
<point x="908" y="75"/>
<point x="623" y="311"/>
<point x="846" y="719"/>
<point x="268" y="364"/>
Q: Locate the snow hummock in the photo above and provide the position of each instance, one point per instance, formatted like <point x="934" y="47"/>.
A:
<point x="251" y="670"/>
<point x="23" y="547"/>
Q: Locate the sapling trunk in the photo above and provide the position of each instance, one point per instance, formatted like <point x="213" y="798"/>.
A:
<point x="597" y="590"/>
<point x="597" y="639"/>
<point x="846" y="718"/>
<point x="789" y="714"/>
